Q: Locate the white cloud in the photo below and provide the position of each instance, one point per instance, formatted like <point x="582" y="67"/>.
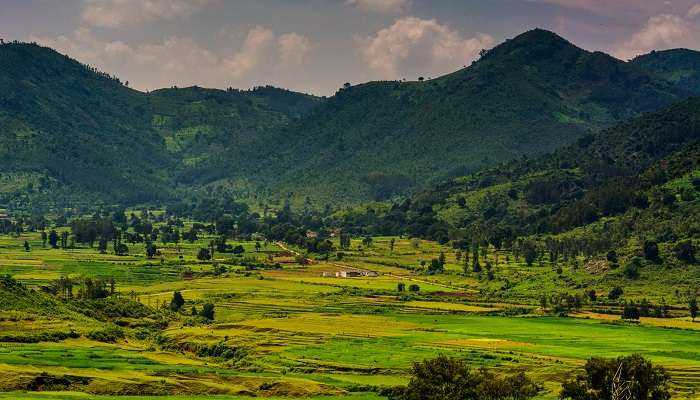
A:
<point x="616" y="8"/>
<point x="119" y="13"/>
<point x="256" y="49"/>
<point x="694" y="11"/>
<point x="381" y="6"/>
<point x="413" y="46"/>
<point x="260" y="58"/>
<point x="661" y="32"/>
<point x="293" y="48"/>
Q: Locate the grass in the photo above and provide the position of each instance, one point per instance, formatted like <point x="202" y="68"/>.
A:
<point x="305" y="335"/>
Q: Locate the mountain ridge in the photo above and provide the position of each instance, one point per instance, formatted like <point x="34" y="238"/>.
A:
<point x="373" y="141"/>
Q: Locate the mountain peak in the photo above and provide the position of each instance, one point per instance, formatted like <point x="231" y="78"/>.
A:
<point x="533" y="45"/>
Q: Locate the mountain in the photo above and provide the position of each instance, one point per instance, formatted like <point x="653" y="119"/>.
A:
<point x="71" y="134"/>
<point x="637" y="180"/>
<point x="65" y="127"/>
<point x="679" y="66"/>
<point x="530" y="95"/>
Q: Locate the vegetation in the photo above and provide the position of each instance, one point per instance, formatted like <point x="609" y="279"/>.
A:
<point x="176" y="243"/>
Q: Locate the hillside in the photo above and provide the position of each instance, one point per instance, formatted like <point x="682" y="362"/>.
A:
<point x="529" y="95"/>
<point x="66" y="128"/>
<point x="636" y="182"/>
<point x="680" y="66"/>
<point x="72" y="135"/>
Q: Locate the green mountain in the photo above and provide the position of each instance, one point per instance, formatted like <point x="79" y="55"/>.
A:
<point x="530" y="95"/>
<point x="637" y="181"/>
<point x="680" y="66"/>
<point x="66" y="127"/>
<point x="70" y="134"/>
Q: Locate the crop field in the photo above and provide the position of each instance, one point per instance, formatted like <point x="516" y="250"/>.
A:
<point x="297" y="330"/>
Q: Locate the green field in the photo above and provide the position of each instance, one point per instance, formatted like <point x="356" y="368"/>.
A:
<point x="291" y="331"/>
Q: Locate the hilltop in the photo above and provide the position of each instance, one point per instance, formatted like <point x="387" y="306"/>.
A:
<point x="680" y="66"/>
<point x="528" y="96"/>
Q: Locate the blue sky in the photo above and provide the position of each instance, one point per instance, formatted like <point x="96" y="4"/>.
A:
<point x="316" y="45"/>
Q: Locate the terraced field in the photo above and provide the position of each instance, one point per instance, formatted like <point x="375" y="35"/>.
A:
<point x="291" y="331"/>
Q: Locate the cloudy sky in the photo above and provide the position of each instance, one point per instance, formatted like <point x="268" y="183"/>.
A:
<point x="315" y="46"/>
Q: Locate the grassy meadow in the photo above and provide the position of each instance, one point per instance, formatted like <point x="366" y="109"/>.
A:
<point x="290" y="331"/>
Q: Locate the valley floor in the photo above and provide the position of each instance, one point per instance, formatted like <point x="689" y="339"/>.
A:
<point x="293" y="332"/>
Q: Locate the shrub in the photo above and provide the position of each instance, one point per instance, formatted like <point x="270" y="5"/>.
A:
<point x="615" y="293"/>
<point x="603" y="378"/>
<point x="631" y="270"/>
<point x="651" y="250"/>
<point x="685" y="251"/>
<point x="109" y="334"/>
<point x="450" y="378"/>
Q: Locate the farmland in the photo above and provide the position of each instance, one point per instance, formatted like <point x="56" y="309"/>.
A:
<point x="282" y="327"/>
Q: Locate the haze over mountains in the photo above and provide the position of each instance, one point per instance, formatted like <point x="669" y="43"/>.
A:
<point x="68" y="132"/>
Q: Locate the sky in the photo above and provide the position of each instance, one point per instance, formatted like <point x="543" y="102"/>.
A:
<point x="314" y="46"/>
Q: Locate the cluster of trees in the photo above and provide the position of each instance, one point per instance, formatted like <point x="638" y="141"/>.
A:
<point x="631" y="377"/>
<point x="87" y="288"/>
<point x="178" y="302"/>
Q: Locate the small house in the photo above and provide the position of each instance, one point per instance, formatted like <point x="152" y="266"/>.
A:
<point x="348" y="274"/>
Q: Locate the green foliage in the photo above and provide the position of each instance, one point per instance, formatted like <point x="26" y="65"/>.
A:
<point x="177" y="302"/>
<point x="625" y="377"/>
<point x="207" y="311"/>
<point x="110" y="334"/>
<point x="451" y="379"/>
<point x="680" y="66"/>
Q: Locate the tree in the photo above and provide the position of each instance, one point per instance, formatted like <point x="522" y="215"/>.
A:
<point x="606" y="379"/>
<point x="529" y="252"/>
<point x="615" y="293"/>
<point x="631" y="270"/>
<point x="435" y="266"/>
<point x="685" y="251"/>
<point x="392" y="242"/>
<point x="344" y="241"/>
<point x="53" y="239"/>
<point x="44" y="238"/>
<point x="651" y="250"/>
<point x="414" y="288"/>
<point x="151" y="249"/>
<point x="630" y="313"/>
<point x="177" y="301"/>
<point x="693" y="307"/>
<point x="204" y="254"/>
<point x="121" y="249"/>
<point x="451" y="379"/>
<point x="238" y="250"/>
<point x="207" y="311"/>
<point x="401" y="287"/>
<point x="26" y="246"/>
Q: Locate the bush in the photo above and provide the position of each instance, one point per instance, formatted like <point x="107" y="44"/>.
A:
<point x="651" y="250"/>
<point x="207" y="311"/>
<point x="598" y="380"/>
<point x="685" y="251"/>
<point x="631" y="270"/>
<point x="108" y="335"/>
<point x="615" y="293"/>
<point x="450" y="378"/>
